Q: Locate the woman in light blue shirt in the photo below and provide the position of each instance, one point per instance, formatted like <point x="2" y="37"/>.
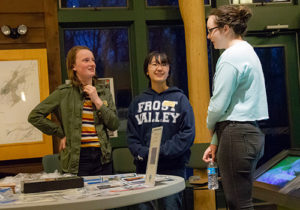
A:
<point x="238" y="102"/>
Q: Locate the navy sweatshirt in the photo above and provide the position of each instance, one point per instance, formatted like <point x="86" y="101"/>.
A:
<point x="170" y="109"/>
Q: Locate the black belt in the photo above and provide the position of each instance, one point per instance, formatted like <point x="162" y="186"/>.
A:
<point x="254" y="123"/>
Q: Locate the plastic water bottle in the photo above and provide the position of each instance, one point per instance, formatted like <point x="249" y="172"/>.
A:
<point x="212" y="175"/>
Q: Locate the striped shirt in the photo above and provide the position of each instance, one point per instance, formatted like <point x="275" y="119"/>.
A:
<point x="89" y="137"/>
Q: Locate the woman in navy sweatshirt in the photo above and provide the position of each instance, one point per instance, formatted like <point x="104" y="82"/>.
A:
<point x="161" y="105"/>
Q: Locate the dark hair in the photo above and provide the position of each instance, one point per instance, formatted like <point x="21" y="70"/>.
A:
<point x="71" y="60"/>
<point x="235" y="17"/>
<point x="164" y="59"/>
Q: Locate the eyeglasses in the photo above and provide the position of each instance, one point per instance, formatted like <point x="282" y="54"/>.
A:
<point x="155" y="65"/>
<point x="210" y="30"/>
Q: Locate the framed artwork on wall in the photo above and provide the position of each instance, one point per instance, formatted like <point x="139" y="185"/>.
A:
<point x="109" y="83"/>
<point x="23" y="84"/>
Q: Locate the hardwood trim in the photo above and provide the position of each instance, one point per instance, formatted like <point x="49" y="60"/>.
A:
<point x="34" y="35"/>
<point x="52" y="43"/>
<point x="13" y="167"/>
<point x="22" y="46"/>
<point x="21" y="6"/>
<point x="33" y="20"/>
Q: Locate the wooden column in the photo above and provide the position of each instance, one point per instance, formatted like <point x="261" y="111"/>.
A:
<point x="193" y="15"/>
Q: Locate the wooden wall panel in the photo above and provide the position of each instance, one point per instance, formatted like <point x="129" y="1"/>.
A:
<point x="34" y="35"/>
<point x="34" y="20"/>
<point x="21" y="6"/>
<point x="52" y="43"/>
<point x="22" y="46"/>
<point x="40" y="16"/>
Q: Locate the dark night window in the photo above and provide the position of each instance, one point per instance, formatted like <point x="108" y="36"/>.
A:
<point x="277" y="127"/>
<point x="171" y="40"/>
<point x="92" y="3"/>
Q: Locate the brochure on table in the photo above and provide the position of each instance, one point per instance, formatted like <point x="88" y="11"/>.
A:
<point x="94" y="186"/>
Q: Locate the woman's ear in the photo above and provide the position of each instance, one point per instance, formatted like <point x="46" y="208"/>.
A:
<point x="226" y="28"/>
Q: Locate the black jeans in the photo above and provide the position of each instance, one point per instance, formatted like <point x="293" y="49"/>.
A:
<point x="90" y="163"/>
<point x="241" y="145"/>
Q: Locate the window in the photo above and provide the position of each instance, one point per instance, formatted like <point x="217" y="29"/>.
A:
<point x="170" y="39"/>
<point x="276" y="128"/>
<point x="92" y="3"/>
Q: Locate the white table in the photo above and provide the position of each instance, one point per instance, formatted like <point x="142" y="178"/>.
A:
<point x="102" y="202"/>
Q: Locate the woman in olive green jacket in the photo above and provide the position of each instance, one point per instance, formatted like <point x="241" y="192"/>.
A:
<point x="78" y="153"/>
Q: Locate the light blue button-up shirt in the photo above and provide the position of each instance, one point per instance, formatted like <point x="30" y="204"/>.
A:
<point x="239" y="92"/>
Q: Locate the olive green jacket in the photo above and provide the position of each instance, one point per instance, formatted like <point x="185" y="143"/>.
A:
<point x="66" y="102"/>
